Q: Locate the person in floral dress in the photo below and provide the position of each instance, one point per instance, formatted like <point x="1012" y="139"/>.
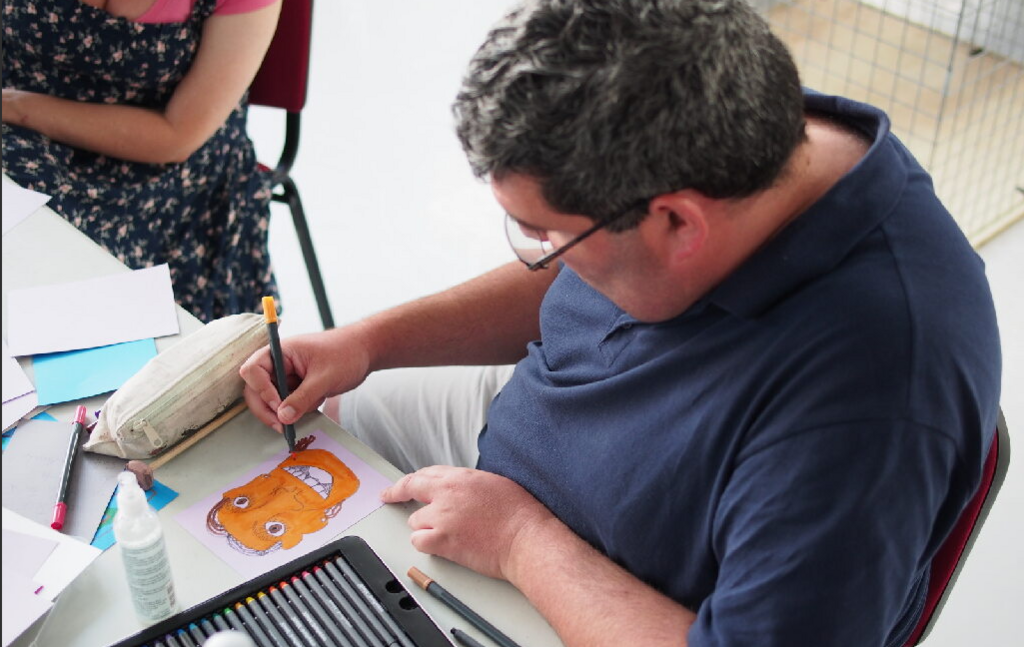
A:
<point x="132" y="115"/>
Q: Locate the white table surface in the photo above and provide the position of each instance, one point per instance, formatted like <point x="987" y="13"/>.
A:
<point x="96" y="608"/>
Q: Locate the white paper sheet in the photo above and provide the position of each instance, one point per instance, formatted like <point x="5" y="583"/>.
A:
<point x="65" y="563"/>
<point x="21" y="606"/>
<point x="24" y="602"/>
<point x="25" y="554"/>
<point x="17" y="408"/>
<point x="85" y="314"/>
<point x="19" y="203"/>
<point x="15" y="382"/>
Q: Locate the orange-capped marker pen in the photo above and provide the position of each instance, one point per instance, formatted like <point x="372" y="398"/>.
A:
<point x="270" y="316"/>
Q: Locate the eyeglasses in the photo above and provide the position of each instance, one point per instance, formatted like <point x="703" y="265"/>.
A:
<point x="534" y="248"/>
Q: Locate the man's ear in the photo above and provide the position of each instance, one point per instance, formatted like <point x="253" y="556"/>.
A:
<point x="684" y="223"/>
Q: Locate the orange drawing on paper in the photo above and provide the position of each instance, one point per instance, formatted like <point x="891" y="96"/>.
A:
<point x="277" y="509"/>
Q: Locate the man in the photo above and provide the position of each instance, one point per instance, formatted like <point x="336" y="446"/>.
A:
<point x="758" y="365"/>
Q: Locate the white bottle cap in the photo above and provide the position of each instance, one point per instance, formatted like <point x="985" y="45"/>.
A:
<point x="229" y="639"/>
<point x="130" y="497"/>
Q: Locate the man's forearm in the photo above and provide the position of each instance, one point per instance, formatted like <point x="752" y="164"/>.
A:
<point x="588" y="599"/>
<point x="488" y="320"/>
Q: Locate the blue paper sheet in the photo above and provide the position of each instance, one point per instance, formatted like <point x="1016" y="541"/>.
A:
<point x="158" y="496"/>
<point x="78" y="374"/>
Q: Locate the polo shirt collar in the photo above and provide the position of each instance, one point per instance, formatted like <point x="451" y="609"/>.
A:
<point x="819" y="239"/>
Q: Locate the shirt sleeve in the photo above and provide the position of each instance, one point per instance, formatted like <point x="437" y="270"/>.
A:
<point x="228" y="7"/>
<point x="824" y="537"/>
<point x="165" y="11"/>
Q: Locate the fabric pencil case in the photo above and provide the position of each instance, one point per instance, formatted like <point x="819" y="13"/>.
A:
<point x="179" y="390"/>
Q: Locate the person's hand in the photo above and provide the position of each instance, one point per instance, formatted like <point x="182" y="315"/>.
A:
<point x="316" y="366"/>
<point x="14" y="108"/>
<point x="472" y="517"/>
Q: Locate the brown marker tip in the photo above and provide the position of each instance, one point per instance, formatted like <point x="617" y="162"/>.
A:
<point x="303" y="443"/>
<point x="420" y="578"/>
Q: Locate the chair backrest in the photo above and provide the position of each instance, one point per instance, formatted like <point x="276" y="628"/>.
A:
<point x="282" y="78"/>
<point x="949" y="560"/>
<point x="281" y="83"/>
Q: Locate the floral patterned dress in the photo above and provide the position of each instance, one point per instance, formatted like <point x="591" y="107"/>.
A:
<point x="206" y="217"/>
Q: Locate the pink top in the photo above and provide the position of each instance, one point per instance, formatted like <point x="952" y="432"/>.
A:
<point x="178" y="10"/>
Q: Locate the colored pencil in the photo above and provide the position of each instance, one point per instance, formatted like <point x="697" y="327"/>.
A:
<point x="456" y="605"/>
<point x="465" y="639"/>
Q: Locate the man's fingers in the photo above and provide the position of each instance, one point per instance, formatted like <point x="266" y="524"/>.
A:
<point x="256" y="373"/>
<point x="426" y="540"/>
<point x="421" y="519"/>
<point x="411" y="487"/>
<point x="305" y="393"/>
<point x="257" y="368"/>
<point x="306" y="397"/>
<point x="260" y="392"/>
<point x="397" y="492"/>
<point x="261" y="409"/>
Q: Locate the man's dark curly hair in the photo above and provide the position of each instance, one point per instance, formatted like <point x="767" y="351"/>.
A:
<point x="611" y="102"/>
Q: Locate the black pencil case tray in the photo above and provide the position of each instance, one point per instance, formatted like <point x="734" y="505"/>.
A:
<point x="391" y="595"/>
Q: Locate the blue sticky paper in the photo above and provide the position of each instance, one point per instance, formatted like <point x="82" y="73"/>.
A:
<point x="78" y="374"/>
<point x="158" y="496"/>
<point x="10" y="432"/>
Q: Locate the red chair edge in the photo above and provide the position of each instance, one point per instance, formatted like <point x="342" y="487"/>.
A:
<point x="283" y="76"/>
<point x="949" y="560"/>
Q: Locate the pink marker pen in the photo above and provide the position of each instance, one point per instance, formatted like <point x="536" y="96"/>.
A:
<point x="60" y="510"/>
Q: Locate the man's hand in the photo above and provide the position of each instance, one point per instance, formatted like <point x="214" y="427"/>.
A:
<point x="316" y="365"/>
<point x="472" y="517"/>
<point x="492" y="525"/>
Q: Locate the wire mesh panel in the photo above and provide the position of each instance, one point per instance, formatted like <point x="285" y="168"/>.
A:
<point x="950" y="74"/>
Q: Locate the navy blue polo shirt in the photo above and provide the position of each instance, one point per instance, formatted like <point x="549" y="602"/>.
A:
<point x="785" y="457"/>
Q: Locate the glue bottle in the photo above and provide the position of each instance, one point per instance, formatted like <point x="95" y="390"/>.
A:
<point x="141" y="540"/>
